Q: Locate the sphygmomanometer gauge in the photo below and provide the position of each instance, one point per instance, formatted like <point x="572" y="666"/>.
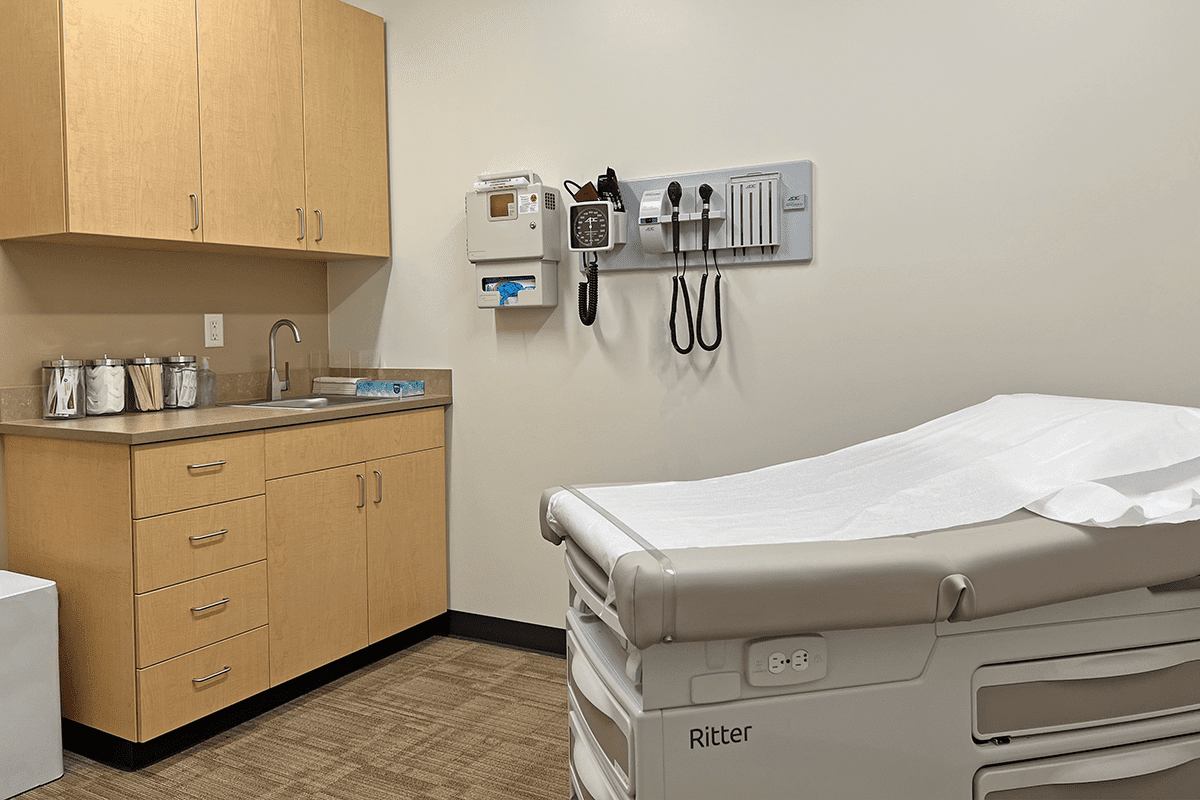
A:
<point x="591" y="226"/>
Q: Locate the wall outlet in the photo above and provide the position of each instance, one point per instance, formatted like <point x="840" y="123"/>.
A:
<point x="214" y="330"/>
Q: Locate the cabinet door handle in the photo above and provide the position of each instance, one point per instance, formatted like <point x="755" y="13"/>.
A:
<point x="206" y="466"/>
<point x="195" y="212"/>
<point x="378" y="487"/>
<point x="204" y="536"/>
<point x="210" y="677"/>
<point x="210" y="605"/>
<point x="320" y="226"/>
<point x="362" y="491"/>
<point x="300" y="211"/>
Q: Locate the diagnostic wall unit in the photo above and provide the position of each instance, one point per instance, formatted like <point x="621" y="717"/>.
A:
<point x="758" y="215"/>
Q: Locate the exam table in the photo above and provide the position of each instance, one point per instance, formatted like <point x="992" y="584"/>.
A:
<point x="825" y="629"/>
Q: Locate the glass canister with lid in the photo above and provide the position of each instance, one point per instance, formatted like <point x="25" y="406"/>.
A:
<point x="63" y="389"/>
<point x="179" y="381"/>
<point x="105" y="386"/>
<point x="145" y="383"/>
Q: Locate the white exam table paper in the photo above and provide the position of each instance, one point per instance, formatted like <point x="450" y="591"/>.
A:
<point x="1085" y="461"/>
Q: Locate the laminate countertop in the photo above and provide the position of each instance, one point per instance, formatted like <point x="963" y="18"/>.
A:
<point x="133" y="428"/>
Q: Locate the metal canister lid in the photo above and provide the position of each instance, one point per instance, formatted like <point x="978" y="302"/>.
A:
<point x="179" y="360"/>
<point x="106" y="362"/>
<point x="144" y="360"/>
<point x="62" y="362"/>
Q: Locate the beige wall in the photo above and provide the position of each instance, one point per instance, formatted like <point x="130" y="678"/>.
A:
<point x="1007" y="199"/>
<point x="83" y="302"/>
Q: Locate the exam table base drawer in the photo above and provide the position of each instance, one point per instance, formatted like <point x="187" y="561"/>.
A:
<point x="1164" y="770"/>
<point x="598" y="712"/>
<point x="587" y="776"/>
<point x="1087" y="690"/>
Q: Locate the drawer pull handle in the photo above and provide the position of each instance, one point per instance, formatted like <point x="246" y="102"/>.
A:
<point x="204" y="536"/>
<point x="205" y="466"/>
<point x="210" y="605"/>
<point x="378" y="487"/>
<point x="362" y="491"/>
<point x="210" y="677"/>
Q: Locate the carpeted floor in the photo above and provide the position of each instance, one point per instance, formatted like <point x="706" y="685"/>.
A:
<point x="447" y="719"/>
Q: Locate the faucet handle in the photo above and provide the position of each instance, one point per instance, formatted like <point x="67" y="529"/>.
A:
<point x="286" y="383"/>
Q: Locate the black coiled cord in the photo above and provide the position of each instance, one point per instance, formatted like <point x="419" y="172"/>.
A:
<point x="680" y="282"/>
<point x="700" y="309"/>
<point x="589" y="291"/>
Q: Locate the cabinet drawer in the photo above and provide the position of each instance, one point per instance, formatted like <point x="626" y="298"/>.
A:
<point x="186" y="688"/>
<point x="308" y="448"/>
<point x="178" y="547"/>
<point x="189" y="615"/>
<point x="172" y="476"/>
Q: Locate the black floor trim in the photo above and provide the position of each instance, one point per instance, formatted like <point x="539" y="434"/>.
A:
<point x="122" y="754"/>
<point x="129" y="756"/>
<point x="524" y="635"/>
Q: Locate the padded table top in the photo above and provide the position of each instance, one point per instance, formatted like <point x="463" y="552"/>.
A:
<point x="1017" y="562"/>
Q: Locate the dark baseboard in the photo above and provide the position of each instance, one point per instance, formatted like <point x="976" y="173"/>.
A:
<point x="122" y="754"/>
<point x="524" y="635"/>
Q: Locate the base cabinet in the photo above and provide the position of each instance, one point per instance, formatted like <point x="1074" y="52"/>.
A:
<point x="317" y="552"/>
<point x="356" y="552"/>
<point x="406" y="542"/>
<point x="196" y="573"/>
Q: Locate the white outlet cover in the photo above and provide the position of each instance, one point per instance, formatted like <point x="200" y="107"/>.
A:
<point x="771" y="662"/>
<point x="214" y="330"/>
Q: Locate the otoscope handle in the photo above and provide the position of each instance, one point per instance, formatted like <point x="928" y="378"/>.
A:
<point x="674" y="193"/>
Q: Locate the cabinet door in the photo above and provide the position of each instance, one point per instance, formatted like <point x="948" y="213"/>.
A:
<point x="132" y="117"/>
<point x="251" y="122"/>
<point x="406" y="541"/>
<point x="345" y="129"/>
<point x="32" y="180"/>
<point x="317" y="566"/>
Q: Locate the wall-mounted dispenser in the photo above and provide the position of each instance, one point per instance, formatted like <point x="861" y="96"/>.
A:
<point x="513" y="238"/>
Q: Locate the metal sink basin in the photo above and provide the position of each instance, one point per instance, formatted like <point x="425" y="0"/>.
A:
<point x="312" y="401"/>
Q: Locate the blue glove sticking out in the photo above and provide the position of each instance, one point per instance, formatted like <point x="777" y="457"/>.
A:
<point x="508" y="290"/>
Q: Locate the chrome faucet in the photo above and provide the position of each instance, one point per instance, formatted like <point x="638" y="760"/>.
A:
<point x="278" y="386"/>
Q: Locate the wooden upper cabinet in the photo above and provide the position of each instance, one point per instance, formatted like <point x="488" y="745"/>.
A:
<point x="195" y="124"/>
<point x="131" y="118"/>
<point x="252" y="122"/>
<point x="31" y="135"/>
<point x="128" y="140"/>
<point x="345" y="129"/>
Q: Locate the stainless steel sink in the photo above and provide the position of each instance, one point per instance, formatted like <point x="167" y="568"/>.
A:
<point x="312" y="401"/>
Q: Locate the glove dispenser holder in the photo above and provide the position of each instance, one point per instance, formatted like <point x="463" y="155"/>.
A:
<point x="513" y="238"/>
